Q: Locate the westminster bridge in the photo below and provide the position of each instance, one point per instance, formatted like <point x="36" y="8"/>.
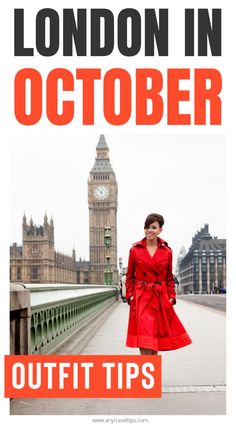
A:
<point x="45" y="316"/>
<point x="91" y="319"/>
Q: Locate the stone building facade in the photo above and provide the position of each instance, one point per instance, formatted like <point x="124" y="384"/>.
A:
<point x="36" y="261"/>
<point x="203" y="268"/>
<point x="83" y="271"/>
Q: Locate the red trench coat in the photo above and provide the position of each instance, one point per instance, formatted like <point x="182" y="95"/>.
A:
<point x="153" y="323"/>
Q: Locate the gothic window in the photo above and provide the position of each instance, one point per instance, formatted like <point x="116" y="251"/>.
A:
<point x="18" y="273"/>
<point x="35" y="273"/>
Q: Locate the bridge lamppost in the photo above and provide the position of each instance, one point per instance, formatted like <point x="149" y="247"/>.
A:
<point x="120" y="266"/>
<point x="108" y="274"/>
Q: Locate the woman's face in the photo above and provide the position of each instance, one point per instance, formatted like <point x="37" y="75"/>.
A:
<point x="152" y="231"/>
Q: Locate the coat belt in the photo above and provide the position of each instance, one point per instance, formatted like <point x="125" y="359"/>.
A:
<point x="153" y="288"/>
<point x="156" y="286"/>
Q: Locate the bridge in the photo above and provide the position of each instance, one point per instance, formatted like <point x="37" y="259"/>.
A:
<point x="44" y="316"/>
<point x="93" y="320"/>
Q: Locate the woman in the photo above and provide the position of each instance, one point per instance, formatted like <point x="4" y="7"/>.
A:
<point x="150" y="291"/>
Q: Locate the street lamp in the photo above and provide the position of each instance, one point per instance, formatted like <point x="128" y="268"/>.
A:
<point x="108" y="274"/>
<point x="120" y="267"/>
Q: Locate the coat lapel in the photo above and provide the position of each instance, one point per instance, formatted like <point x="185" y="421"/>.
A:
<point x="151" y="261"/>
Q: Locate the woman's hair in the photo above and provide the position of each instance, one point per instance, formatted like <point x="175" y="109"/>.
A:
<point x="152" y="218"/>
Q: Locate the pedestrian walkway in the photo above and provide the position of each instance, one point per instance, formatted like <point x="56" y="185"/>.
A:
<point x="193" y="377"/>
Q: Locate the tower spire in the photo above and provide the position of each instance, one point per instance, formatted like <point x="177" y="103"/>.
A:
<point x="45" y="219"/>
<point x="73" y="254"/>
<point x="102" y="144"/>
<point x="24" y="219"/>
<point x="102" y="149"/>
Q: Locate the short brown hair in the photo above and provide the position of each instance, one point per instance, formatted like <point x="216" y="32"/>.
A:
<point x="152" y="217"/>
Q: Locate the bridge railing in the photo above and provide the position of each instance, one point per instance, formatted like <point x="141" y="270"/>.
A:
<point x="45" y="316"/>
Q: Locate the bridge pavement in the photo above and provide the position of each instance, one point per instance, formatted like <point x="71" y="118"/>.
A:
<point x="193" y="377"/>
<point x="215" y="301"/>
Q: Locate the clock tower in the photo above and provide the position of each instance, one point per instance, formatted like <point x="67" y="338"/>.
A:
<point x="102" y="201"/>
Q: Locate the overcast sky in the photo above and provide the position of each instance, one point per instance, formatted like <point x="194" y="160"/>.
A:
<point x="179" y="176"/>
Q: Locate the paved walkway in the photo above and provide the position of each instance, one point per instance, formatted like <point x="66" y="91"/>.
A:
<point x="193" y="377"/>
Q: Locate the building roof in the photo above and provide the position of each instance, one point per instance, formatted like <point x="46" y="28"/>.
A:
<point x="82" y="265"/>
<point x="102" y="163"/>
<point x="102" y="143"/>
<point x="15" y="250"/>
<point x="213" y="244"/>
<point x="204" y="242"/>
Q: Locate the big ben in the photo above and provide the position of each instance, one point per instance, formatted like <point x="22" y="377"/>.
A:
<point x="103" y="201"/>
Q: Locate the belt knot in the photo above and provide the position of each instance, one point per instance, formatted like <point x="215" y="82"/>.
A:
<point x="155" y="285"/>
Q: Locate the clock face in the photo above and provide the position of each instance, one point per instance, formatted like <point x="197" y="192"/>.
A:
<point x="101" y="192"/>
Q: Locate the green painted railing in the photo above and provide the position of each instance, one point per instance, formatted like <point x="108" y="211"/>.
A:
<point x="57" y="312"/>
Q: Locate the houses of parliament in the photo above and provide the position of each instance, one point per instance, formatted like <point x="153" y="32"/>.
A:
<point x="37" y="261"/>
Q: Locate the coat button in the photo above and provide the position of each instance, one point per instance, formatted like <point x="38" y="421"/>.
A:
<point x="156" y="273"/>
<point x="144" y="273"/>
